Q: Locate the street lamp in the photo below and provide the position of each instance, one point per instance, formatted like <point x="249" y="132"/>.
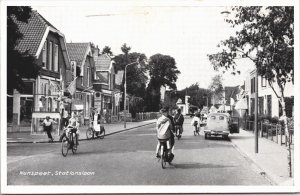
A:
<point x="125" y="86"/>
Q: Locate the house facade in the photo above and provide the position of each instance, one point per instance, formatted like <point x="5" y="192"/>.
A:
<point x="268" y="103"/>
<point x="107" y="95"/>
<point x="82" y="68"/>
<point x="43" y="95"/>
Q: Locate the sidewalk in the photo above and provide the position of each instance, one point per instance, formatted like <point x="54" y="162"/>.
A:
<point x="271" y="159"/>
<point x="26" y="137"/>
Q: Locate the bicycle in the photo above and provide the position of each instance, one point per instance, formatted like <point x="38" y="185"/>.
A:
<point x="91" y="133"/>
<point x="178" y="131"/>
<point x="164" y="154"/>
<point x="197" y="131"/>
<point x="69" y="141"/>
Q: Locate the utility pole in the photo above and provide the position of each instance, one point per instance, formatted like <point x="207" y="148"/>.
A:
<point x="256" y="112"/>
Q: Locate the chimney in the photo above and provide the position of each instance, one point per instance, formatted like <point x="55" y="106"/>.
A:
<point x="96" y="52"/>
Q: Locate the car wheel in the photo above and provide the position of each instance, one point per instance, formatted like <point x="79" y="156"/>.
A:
<point x="226" y="137"/>
<point x="205" y="136"/>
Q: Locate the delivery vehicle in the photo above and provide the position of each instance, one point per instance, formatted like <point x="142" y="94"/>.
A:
<point x="220" y="124"/>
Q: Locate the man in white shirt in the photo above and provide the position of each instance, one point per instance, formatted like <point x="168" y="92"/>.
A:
<point x="47" y="123"/>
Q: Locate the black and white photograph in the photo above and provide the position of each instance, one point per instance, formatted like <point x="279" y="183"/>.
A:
<point x="180" y="96"/>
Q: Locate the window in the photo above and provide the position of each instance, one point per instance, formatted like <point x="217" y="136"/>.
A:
<point x="221" y="118"/>
<point x="88" y="77"/>
<point x="50" y="56"/>
<point x="55" y="58"/>
<point x="44" y="57"/>
<point x="269" y="105"/>
<point x="253" y="85"/>
<point x="213" y="117"/>
<point x="261" y="105"/>
<point x="263" y="81"/>
<point x="28" y="88"/>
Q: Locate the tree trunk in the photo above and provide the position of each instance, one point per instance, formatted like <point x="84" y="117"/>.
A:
<point x="287" y="133"/>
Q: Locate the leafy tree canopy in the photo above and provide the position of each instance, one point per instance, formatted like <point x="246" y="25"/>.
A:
<point x="19" y="64"/>
<point x="107" y="50"/>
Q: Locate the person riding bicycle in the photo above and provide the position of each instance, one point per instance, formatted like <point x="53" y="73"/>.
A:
<point x="196" y="121"/>
<point x="178" y="120"/>
<point x="164" y="129"/>
<point x="74" y="125"/>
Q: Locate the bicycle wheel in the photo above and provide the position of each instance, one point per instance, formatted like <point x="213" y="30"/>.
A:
<point x="74" y="147"/>
<point x="89" y="133"/>
<point x="102" y="133"/>
<point x="65" y="146"/>
<point x="163" y="158"/>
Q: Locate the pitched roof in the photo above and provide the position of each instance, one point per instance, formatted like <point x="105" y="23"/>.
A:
<point x="102" y="62"/>
<point x="77" y="51"/>
<point x="33" y="32"/>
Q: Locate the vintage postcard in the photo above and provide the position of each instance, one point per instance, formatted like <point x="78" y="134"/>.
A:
<point x="180" y="96"/>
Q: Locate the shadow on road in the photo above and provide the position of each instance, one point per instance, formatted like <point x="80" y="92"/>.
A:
<point x="197" y="166"/>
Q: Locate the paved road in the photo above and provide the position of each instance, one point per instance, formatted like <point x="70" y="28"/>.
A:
<point x="128" y="159"/>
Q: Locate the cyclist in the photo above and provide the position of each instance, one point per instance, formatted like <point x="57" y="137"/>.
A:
<point x="164" y="131"/>
<point x="178" y="120"/>
<point x="73" y="125"/>
<point x="196" y="121"/>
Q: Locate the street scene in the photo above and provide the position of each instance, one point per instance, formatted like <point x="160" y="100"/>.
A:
<point x="98" y="95"/>
<point x="128" y="158"/>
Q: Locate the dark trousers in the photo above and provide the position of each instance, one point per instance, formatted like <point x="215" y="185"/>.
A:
<point x="48" y="130"/>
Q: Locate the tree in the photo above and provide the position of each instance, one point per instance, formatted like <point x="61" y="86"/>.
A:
<point x="197" y="95"/>
<point x="163" y="72"/>
<point x="266" y="37"/>
<point x="136" y="76"/>
<point x="107" y="50"/>
<point x="216" y="88"/>
<point x="20" y="65"/>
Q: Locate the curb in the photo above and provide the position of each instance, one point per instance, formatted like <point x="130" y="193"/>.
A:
<point x="119" y="131"/>
<point x="260" y="170"/>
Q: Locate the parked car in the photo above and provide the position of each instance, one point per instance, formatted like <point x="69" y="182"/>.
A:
<point x="220" y="124"/>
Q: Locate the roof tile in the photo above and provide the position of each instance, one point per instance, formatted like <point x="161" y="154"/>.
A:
<point x="77" y="51"/>
<point x="33" y="32"/>
<point x="102" y="62"/>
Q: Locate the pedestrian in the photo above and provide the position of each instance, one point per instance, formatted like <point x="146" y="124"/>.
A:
<point x="96" y="122"/>
<point x="178" y="120"/>
<point x="48" y="125"/>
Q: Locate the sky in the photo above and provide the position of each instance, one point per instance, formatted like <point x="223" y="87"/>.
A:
<point x="187" y="33"/>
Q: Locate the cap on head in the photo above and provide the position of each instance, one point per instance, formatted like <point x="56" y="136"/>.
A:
<point x="47" y="117"/>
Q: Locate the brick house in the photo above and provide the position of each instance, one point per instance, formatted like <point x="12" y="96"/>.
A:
<point x="42" y="95"/>
<point x="107" y="95"/>
<point x="82" y="67"/>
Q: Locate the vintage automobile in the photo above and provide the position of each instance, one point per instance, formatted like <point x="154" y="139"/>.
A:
<point x="220" y="124"/>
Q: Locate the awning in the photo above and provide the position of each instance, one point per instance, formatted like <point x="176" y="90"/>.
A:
<point x="241" y="104"/>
